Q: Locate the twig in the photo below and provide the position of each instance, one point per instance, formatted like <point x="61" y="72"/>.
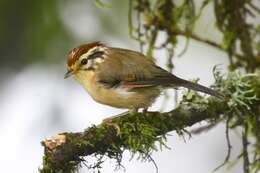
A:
<point x="254" y="7"/>
<point x="245" y="152"/>
<point x="206" y="41"/>
<point x="152" y="43"/>
<point x="228" y="145"/>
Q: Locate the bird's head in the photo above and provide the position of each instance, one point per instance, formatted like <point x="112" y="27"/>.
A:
<point x="85" y="57"/>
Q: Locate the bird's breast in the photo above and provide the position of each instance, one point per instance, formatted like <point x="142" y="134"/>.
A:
<point x="116" y="97"/>
<point x="120" y="97"/>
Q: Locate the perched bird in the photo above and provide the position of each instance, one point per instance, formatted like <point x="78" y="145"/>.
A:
<point x="122" y="78"/>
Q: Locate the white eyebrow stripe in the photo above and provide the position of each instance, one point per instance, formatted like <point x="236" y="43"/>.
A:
<point x="96" y="55"/>
<point x="99" y="59"/>
<point x="93" y="50"/>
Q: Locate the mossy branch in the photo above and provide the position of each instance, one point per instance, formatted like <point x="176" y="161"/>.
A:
<point x="141" y="134"/>
<point x="134" y="132"/>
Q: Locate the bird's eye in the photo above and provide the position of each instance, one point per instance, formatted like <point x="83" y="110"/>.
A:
<point x="84" y="62"/>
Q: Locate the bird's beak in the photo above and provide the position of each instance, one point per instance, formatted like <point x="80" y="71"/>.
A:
<point x="68" y="74"/>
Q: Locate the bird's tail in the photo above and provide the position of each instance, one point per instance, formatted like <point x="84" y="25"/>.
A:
<point x="198" y="87"/>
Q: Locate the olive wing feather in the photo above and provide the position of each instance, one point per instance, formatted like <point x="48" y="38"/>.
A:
<point x="132" y="69"/>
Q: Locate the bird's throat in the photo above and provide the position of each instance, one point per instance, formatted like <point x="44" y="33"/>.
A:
<point x="86" y="79"/>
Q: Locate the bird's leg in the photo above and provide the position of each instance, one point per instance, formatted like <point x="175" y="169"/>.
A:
<point x="145" y="111"/>
<point x="131" y="112"/>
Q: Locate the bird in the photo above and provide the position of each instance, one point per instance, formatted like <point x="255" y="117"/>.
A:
<point x="123" y="78"/>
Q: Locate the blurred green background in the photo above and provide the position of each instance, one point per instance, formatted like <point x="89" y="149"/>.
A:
<point x="43" y="31"/>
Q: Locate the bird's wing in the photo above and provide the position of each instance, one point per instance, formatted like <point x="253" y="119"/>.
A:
<point x="132" y="70"/>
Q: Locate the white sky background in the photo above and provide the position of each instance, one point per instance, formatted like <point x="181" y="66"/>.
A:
<point x="30" y="99"/>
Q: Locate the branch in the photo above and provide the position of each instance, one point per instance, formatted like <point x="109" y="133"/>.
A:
<point x="65" y="151"/>
<point x="206" y="41"/>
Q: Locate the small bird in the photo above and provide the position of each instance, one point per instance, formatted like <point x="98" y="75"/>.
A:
<point x="122" y="78"/>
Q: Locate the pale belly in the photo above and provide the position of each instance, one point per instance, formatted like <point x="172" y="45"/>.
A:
<point x="117" y="97"/>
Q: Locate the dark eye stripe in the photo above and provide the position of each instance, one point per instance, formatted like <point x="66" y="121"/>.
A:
<point x="97" y="54"/>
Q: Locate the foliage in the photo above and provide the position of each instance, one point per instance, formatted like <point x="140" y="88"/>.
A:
<point x="234" y="19"/>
